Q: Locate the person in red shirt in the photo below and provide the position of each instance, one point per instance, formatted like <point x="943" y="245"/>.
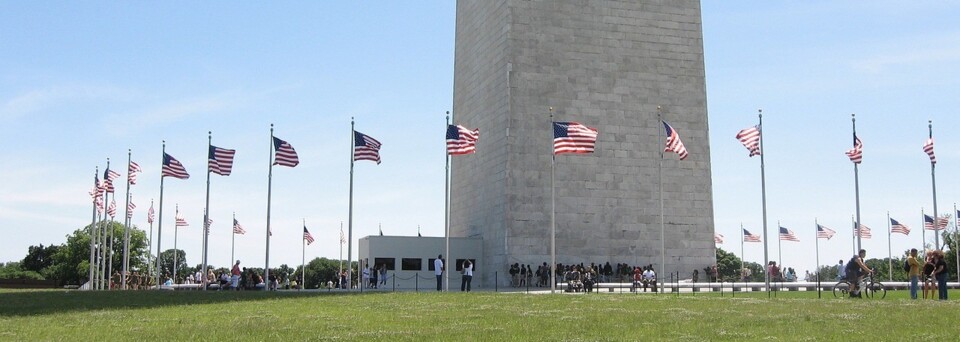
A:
<point x="235" y="276"/>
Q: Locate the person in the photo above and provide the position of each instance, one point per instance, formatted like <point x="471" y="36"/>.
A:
<point x="515" y="275"/>
<point x="940" y="272"/>
<point x="714" y="274"/>
<point x="855" y="270"/>
<point x="745" y="274"/>
<point x="365" y="273"/>
<point x="235" y="276"/>
<point x="914" y="272"/>
<point x="928" y="282"/>
<point x="841" y="270"/>
<point x="774" y="271"/>
<point x="588" y="279"/>
<point x="649" y="279"/>
<point x="438" y="270"/>
<point x="189" y="279"/>
<point x="523" y="275"/>
<point x="198" y="276"/>
<point x="373" y="277"/>
<point x="383" y="274"/>
<point x="467" y="276"/>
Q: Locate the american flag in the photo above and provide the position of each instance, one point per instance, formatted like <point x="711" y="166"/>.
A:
<point x="220" y="160"/>
<point x="864" y="232"/>
<point x="109" y="175"/>
<point x="181" y="222"/>
<point x="896" y="227"/>
<point x="107" y="186"/>
<point x="718" y="238"/>
<point x="132" y="170"/>
<point x="206" y="228"/>
<point x="97" y="190"/>
<point x="130" y="207"/>
<point x="112" y="208"/>
<point x="237" y="228"/>
<point x="573" y="137"/>
<point x="673" y="142"/>
<point x="365" y="147"/>
<point x="824" y="232"/>
<point x="747" y="237"/>
<point x="173" y="168"/>
<point x="150" y="213"/>
<point x="787" y="235"/>
<point x="928" y="222"/>
<point x="856" y="153"/>
<point x="98" y="202"/>
<point x="285" y="155"/>
<point x="750" y="138"/>
<point x="461" y="140"/>
<point x="928" y="148"/>
<point x="343" y="239"/>
<point x="307" y="236"/>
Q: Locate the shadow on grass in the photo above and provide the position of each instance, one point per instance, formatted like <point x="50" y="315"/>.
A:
<point x="34" y="302"/>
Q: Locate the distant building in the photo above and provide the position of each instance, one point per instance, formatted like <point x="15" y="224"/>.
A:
<point x="409" y="257"/>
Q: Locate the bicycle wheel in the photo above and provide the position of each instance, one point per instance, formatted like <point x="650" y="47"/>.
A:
<point x="877" y="289"/>
<point x="841" y="289"/>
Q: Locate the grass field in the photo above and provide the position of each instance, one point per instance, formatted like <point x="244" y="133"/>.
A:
<point x="475" y="316"/>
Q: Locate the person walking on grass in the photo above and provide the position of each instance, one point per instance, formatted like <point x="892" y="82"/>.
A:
<point x="914" y="272"/>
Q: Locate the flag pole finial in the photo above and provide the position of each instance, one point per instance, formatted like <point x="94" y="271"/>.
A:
<point x="760" y="112"/>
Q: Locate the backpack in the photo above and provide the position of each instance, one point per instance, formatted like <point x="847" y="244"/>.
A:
<point x="852" y="265"/>
<point x="906" y="265"/>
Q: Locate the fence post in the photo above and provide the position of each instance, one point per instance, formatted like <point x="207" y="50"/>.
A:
<point x="496" y="282"/>
<point x="416" y="282"/>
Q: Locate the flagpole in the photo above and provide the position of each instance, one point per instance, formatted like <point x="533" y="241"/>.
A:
<point x="923" y="222"/>
<point x="889" y="248"/>
<point x="341" y="250"/>
<point x="233" y="238"/>
<point x="303" y="256"/>
<point x="206" y="214"/>
<point x="742" y="236"/>
<point x="663" y="258"/>
<point x="956" y="235"/>
<point x="103" y="235"/>
<point x="553" y="215"/>
<point x="856" y="234"/>
<point x="779" y="245"/>
<point x="126" y="229"/>
<point x="350" y="213"/>
<point x="93" y="224"/>
<point x="176" y="229"/>
<point x="816" y="237"/>
<point x="266" y="268"/>
<point x="763" y="192"/>
<point x="109" y="253"/>
<point x="933" y="178"/>
<point x="160" y="216"/>
<point x="150" y="247"/>
<point x="446" y="210"/>
<point x="856" y="186"/>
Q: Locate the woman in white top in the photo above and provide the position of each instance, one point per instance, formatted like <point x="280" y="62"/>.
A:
<point x="467" y="276"/>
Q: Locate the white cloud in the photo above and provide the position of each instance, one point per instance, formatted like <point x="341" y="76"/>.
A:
<point x="37" y="100"/>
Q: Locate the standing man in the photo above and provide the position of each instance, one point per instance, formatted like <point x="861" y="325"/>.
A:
<point x="438" y="270"/>
<point x="841" y="270"/>
<point x="940" y="273"/>
<point x="914" y="272"/>
<point x="467" y="276"/>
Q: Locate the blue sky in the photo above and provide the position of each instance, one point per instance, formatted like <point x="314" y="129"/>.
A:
<point x="80" y="83"/>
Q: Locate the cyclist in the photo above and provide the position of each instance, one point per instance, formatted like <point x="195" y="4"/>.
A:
<point x="856" y="269"/>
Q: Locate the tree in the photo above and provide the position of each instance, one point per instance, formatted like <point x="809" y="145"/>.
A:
<point x="950" y="240"/>
<point x="319" y="271"/>
<point x="12" y="270"/>
<point x="39" y="258"/>
<point x="166" y="265"/>
<point x="71" y="261"/>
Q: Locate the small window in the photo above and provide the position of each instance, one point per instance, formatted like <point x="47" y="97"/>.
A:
<point x="460" y="264"/>
<point x="390" y="262"/>
<point x="411" y="264"/>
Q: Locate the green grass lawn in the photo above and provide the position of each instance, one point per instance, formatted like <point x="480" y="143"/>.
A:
<point x="475" y="316"/>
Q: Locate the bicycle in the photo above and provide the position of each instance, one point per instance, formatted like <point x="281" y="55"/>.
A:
<point x="869" y="288"/>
